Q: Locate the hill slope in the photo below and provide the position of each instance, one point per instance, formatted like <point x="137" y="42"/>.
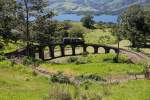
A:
<point x="93" y="6"/>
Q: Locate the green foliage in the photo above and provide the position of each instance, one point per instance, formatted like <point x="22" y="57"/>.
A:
<point x="102" y="69"/>
<point x="78" y="60"/>
<point x="100" y="37"/>
<point x="88" y="21"/>
<point x="30" y="61"/>
<point x="2" y="58"/>
<point x="60" y="78"/>
<point x="58" y="93"/>
<point x="134" y="25"/>
<point x="93" y="77"/>
<point x="76" y="32"/>
<point x="72" y="59"/>
<point x="25" y="86"/>
<point x="8" y="19"/>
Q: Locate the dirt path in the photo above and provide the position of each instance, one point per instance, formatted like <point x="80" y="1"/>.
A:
<point x="109" y="79"/>
<point x="134" y="56"/>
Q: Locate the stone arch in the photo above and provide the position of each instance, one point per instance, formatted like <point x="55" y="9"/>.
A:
<point x="90" y="49"/>
<point x="57" y="51"/>
<point x="112" y="51"/>
<point x="101" y="50"/>
<point x="68" y="50"/>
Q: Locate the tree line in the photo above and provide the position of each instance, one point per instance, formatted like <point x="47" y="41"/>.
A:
<point x="28" y="21"/>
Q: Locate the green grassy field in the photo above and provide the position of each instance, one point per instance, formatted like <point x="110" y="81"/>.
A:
<point x="18" y="83"/>
<point x="103" y="69"/>
<point x="132" y="90"/>
<point x="99" y="36"/>
<point x="93" y="64"/>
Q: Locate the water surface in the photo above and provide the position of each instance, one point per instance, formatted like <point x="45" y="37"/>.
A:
<point x="74" y="17"/>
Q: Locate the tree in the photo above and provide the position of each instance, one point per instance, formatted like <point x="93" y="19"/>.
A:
<point x="76" y="32"/>
<point x="134" y="23"/>
<point x="8" y="18"/>
<point x="88" y="21"/>
<point x="47" y="29"/>
<point x="31" y="9"/>
<point x="118" y="33"/>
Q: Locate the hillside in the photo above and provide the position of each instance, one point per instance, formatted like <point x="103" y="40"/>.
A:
<point x="92" y="6"/>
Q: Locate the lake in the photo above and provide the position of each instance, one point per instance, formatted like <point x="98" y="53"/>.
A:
<point x="77" y="18"/>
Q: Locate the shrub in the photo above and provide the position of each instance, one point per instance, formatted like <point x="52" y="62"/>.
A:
<point x="27" y="61"/>
<point x="106" y="90"/>
<point x="78" y="60"/>
<point x="60" y="78"/>
<point x="96" y="96"/>
<point x="90" y="96"/>
<point x="72" y="59"/>
<point x="94" y="77"/>
<point x="146" y="70"/>
<point x="31" y="61"/>
<point x="5" y="64"/>
<point x="58" y="93"/>
<point x="82" y="60"/>
<point x="2" y="58"/>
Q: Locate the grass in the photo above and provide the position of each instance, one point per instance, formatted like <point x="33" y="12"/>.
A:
<point x="99" y="36"/>
<point x="18" y="83"/>
<point x="94" y="64"/>
<point x="96" y="36"/>
<point x="10" y="47"/>
<point x="126" y="44"/>
<point x="103" y="69"/>
<point x="132" y="90"/>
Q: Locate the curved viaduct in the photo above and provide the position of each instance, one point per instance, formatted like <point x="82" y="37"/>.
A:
<point x="40" y="50"/>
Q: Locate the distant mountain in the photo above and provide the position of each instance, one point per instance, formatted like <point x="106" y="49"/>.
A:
<point x="92" y="6"/>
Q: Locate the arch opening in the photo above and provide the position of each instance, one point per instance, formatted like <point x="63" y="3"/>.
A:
<point x="46" y="52"/>
<point x="68" y="50"/>
<point x="112" y="51"/>
<point x="90" y="49"/>
<point x="79" y="49"/>
<point x="57" y="51"/>
<point x="101" y="50"/>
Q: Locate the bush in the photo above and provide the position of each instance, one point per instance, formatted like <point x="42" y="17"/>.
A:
<point x="82" y="60"/>
<point x="60" y="78"/>
<point x="27" y="61"/>
<point x="5" y="64"/>
<point x="72" y="59"/>
<point x="31" y="61"/>
<point x="2" y="58"/>
<point x="78" y="60"/>
<point x="58" y="93"/>
<point x="94" y="77"/>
